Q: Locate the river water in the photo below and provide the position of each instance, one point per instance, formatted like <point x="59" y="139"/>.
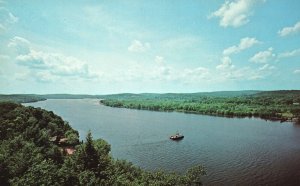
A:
<point x="234" y="151"/>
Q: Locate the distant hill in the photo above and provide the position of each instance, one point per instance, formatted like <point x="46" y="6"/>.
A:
<point x="67" y="96"/>
<point x="23" y="98"/>
<point x="182" y="95"/>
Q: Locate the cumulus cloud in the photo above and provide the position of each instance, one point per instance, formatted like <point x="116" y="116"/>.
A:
<point x="290" y="30"/>
<point x="138" y="46"/>
<point x="56" y="64"/>
<point x="227" y="71"/>
<point x="244" y="44"/>
<point x="226" y="64"/>
<point x="289" y="54"/>
<point x="33" y="59"/>
<point x="263" y="56"/>
<point x="48" y="65"/>
<point x="235" y="13"/>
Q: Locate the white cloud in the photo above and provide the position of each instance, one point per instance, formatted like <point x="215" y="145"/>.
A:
<point x="20" y="45"/>
<point x="48" y="65"/>
<point x="226" y="64"/>
<point x="45" y="77"/>
<point x="159" y="60"/>
<point x="6" y="19"/>
<point x="263" y="56"/>
<point x="235" y="13"/>
<point x="227" y="71"/>
<point x="56" y="64"/>
<point x="161" y="71"/>
<point x="138" y="46"/>
<point x="266" y="67"/>
<point x="244" y="44"/>
<point x="297" y="71"/>
<point x="289" y="54"/>
<point x="33" y="59"/>
<point x="290" y="30"/>
<point x="196" y="75"/>
<point x="247" y="73"/>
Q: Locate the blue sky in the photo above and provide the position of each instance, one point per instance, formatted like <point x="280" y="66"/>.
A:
<point x="100" y="47"/>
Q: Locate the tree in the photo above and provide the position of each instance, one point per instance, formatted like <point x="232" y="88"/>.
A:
<point x="194" y="174"/>
<point x="91" y="160"/>
<point x="44" y="173"/>
<point x="88" y="178"/>
<point x="72" y="136"/>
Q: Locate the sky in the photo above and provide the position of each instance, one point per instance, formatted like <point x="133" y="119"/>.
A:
<point x="104" y="47"/>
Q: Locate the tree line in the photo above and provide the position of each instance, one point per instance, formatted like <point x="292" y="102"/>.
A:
<point x="273" y="105"/>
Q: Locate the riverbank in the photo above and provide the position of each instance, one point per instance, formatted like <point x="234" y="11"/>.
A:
<point x="274" y="105"/>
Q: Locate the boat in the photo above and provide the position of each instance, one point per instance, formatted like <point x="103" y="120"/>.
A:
<point x="177" y="136"/>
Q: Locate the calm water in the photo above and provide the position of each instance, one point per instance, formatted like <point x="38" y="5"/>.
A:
<point x="234" y="151"/>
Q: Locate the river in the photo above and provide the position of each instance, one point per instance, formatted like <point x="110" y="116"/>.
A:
<point x="234" y="151"/>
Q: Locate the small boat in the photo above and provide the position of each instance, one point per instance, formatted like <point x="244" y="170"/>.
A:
<point x="177" y="136"/>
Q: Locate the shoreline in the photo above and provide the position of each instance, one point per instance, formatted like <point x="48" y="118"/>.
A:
<point x="274" y="119"/>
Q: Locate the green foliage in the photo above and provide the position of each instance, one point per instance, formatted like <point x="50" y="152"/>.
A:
<point x="88" y="178"/>
<point x="21" y="98"/>
<point x="72" y="137"/>
<point x="28" y="157"/>
<point x="194" y="174"/>
<point x="273" y="105"/>
<point x="40" y="173"/>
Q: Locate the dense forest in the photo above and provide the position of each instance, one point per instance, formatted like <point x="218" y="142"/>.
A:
<point x="272" y="105"/>
<point x="38" y="148"/>
<point x="21" y="98"/>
